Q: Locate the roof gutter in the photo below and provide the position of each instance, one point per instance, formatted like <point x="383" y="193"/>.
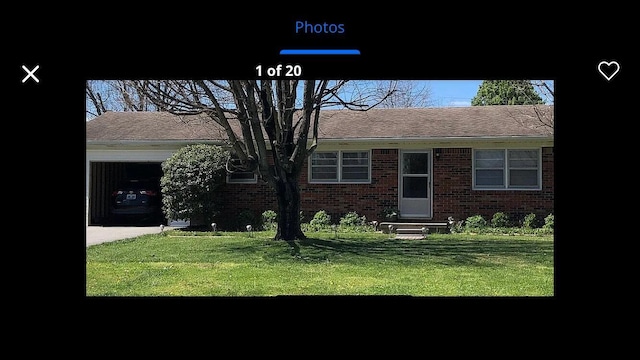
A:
<point x="390" y="142"/>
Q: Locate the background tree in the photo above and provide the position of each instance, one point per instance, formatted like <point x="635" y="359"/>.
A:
<point x="545" y="114"/>
<point x="270" y="127"/>
<point x="190" y="177"/>
<point x="114" y="95"/>
<point x="403" y="93"/>
<point x="506" y="92"/>
<point x="538" y="93"/>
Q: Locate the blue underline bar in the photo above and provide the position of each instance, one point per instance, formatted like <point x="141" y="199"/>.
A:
<point x="319" y="52"/>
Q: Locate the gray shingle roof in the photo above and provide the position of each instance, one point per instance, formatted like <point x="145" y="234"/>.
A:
<point x="473" y="121"/>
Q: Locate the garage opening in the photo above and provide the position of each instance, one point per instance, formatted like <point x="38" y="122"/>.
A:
<point x="106" y="177"/>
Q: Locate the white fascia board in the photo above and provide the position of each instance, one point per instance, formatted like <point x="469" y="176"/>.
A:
<point x="146" y="143"/>
<point x="392" y="143"/>
<point x="378" y="143"/>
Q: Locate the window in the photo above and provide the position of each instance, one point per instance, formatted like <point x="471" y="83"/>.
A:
<point x="507" y="169"/>
<point x="324" y="166"/>
<point x="340" y="166"/>
<point x="241" y="176"/>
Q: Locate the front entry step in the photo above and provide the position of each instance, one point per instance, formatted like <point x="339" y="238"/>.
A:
<point x="414" y="229"/>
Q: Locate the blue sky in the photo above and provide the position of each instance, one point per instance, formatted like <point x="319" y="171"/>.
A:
<point x="457" y="92"/>
<point x="453" y="92"/>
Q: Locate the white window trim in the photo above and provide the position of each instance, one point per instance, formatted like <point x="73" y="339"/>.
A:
<point x="339" y="165"/>
<point x="228" y="179"/>
<point x="242" y="181"/>
<point x="506" y="171"/>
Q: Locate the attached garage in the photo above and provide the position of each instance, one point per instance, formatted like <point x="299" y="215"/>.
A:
<point x="104" y="178"/>
<point x="124" y="145"/>
<point x="107" y="168"/>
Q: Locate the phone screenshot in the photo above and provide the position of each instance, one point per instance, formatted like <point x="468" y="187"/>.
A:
<point x="318" y="156"/>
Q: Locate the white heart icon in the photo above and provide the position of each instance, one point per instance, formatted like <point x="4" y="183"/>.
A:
<point x="611" y="68"/>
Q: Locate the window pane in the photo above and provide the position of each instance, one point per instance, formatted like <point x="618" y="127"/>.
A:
<point x="355" y="173"/>
<point x="242" y="176"/>
<point x="490" y="178"/>
<point x="414" y="187"/>
<point x="523" y="158"/>
<point x="324" y="158"/>
<point x="523" y="178"/>
<point x="324" y="173"/>
<point x="489" y="164"/>
<point x="324" y="166"/>
<point x="347" y="162"/>
<point x="490" y="159"/>
<point x="489" y="154"/>
<point x="415" y="163"/>
<point x="324" y="162"/>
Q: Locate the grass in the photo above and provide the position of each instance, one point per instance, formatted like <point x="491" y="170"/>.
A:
<point x="185" y="263"/>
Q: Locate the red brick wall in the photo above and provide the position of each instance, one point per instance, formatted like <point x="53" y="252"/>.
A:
<point x="452" y="192"/>
<point x="365" y="199"/>
<point x="336" y="199"/>
<point x="235" y="198"/>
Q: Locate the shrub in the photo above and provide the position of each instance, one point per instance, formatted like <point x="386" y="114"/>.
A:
<point x="352" y="218"/>
<point x="500" y="219"/>
<point x="269" y="220"/>
<point x="189" y="179"/>
<point x="529" y="221"/>
<point x="320" y="220"/>
<point x="246" y="217"/>
<point x="457" y="227"/>
<point x="548" y="222"/>
<point x="475" y="222"/>
<point x="390" y="213"/>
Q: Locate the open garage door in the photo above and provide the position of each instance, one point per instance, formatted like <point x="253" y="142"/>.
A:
<point x="104" y="178"/>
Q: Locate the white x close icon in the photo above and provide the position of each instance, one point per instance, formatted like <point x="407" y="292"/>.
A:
<point x="30" y="73"/>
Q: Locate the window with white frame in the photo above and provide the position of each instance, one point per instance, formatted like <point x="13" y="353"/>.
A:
<point x="507" y="169"/>
<point x="340" y="166"/>
<point x="246" y="177"/>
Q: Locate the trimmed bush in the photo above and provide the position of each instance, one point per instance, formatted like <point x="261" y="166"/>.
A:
<point x="529" y="221"/>
<point x="475" y="222"/>
<point x="320" y="221"/>
<point x="548" y="222"/>
<point x="500" y="219"/>
<point x="269" y="220"/>
<point x="189" y="179"/>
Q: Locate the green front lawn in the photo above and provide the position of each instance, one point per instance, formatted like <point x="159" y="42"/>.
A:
<point x="184" y="263"/>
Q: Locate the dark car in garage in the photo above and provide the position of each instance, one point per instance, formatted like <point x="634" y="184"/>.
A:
<point x="136" y="201"/>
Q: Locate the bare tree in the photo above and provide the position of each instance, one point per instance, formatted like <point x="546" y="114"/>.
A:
<point x="404" y="94"/>
<point x="545" y="114"/>
<point x="114" y="95"/>
<point x="249" y="110"/>
<point x="95" y="104"/>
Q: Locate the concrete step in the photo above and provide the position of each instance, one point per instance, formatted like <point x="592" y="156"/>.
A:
<point x="409" y="236"/>
<point x="411" y="230"/>
<point x="433" y="227"/>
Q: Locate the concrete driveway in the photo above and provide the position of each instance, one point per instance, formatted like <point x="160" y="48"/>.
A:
<point x="100" y="234"/>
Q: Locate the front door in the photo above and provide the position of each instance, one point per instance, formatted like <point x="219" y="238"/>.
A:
<point x="415" y="184"/>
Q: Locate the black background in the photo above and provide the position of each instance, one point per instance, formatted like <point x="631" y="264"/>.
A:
<point x="593" y="123"/>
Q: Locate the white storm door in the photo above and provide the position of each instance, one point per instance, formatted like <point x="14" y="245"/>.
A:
<point x="415" y="184"/>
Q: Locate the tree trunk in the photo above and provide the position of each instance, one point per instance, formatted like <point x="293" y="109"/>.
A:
<point x="288" y="195"/>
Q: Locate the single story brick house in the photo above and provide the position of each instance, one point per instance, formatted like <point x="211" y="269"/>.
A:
<point x="429" y="163"/>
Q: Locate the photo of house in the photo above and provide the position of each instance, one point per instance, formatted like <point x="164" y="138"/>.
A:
<point x="426" y="164"/>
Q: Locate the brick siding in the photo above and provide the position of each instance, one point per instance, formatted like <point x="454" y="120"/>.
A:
<point x="452" y="192"/>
